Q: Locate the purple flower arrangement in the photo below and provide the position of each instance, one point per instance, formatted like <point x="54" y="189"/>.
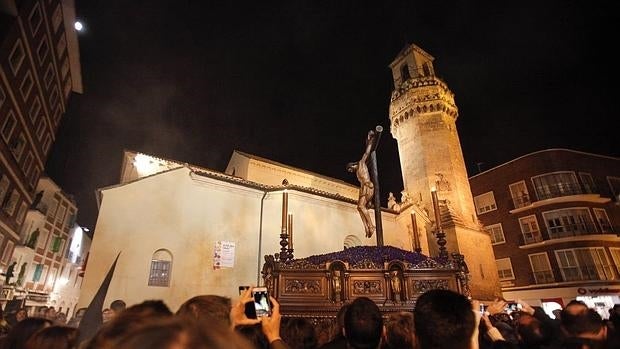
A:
<point x="376" y="254"/>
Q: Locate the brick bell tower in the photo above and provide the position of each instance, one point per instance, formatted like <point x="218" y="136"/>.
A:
<point x="423" y="122"/>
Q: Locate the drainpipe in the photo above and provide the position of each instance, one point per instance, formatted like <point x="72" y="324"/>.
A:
<point x="260" y="239"/>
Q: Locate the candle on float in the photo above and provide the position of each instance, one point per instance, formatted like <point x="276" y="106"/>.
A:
<point x="284" y="211"/>
<point x="290" y="231"/>
<point x="414" y="229"/>
<point x="436" y="209"/>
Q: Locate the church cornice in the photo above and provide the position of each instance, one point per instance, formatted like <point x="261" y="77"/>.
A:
<point x="272" y="188"/>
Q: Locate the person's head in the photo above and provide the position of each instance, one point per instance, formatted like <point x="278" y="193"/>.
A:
<point x="176" y="333"/>
<point x="53" y="337"/>
<point x="531" y="331"/>
<point x="127" y="321"/>
<point x="107" y="314"/>
<point x="587" y="324"/>
<point x="443" y="319"/>
<point x="363" y="324"/>
<point x="117" y="306"/>
<point x="207" y="309"/>
<point x="21" y="314"/>
<point x="50" y="313"/>
<point x="253" y="334"/>
<point x="570" y="314"/>
<point x="399" y="331"/>
<point x="23" y="330"/>
<point x="299" y="333"/>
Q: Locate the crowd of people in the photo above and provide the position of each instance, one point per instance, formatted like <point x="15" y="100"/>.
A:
<point x="441" y="319"/>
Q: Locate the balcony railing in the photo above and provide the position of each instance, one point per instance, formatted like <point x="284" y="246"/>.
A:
<point x="558" y="190"/>
<point x="564" y="231"/>
<point x="570" y="274"/>
<point x="569" y="230"/>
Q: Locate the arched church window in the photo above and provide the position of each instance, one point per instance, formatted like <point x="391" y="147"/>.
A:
<point x="352" y="241"/>
<point x="161" y="268"/>
<point x="404" y="72"/>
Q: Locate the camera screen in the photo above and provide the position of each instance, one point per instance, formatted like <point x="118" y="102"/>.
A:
<point x="483" y="308"/>
<point x="261" y="303"/>
<point x="510" y="307"/>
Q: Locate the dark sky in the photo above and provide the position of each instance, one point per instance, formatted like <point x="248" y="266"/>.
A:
<point x="301" y="82"/>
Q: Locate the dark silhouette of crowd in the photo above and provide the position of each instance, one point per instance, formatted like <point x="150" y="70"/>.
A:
<point x="442" y="319"/>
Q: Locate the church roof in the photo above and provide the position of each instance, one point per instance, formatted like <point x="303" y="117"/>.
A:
<point x="296" y="169"/>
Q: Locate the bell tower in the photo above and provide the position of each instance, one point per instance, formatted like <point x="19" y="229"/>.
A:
<point x="423" y="122"/>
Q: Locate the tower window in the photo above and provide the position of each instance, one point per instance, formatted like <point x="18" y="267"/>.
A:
<point x="404" y="72"/>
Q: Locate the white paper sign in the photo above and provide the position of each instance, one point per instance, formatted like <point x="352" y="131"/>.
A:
<point x="224" y="255"/>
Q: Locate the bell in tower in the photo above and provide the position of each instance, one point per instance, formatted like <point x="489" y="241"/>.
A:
<point x="423" y="121"/>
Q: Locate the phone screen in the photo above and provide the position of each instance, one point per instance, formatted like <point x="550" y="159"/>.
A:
<point x="483" y="308"/>
<point x="261" y="301"/>
<point x="510" y="307"/>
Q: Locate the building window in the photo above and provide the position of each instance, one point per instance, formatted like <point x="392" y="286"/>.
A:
<point x="57" y="18"/>
<point x="43" y="50"/>
<point x="530" y="230"/>
<point x="8" y="126"/>
<point x="26" y="86"/>
<point x="8" y="251"/>
<point x="4" y="187"/>
<point x="569" y="222"/>
<point x="16" y="58"/>
<point x="48" y="78"/>
<point x="38" y="270"/>
<point x="35" y="109"/>
<point x="614" y="185"/>
<point x="496" y="232"/>
<point x="352" y="241"/>
<point x="557" y="184"/>
<point x="541" y="268"/>
<point x="21" y="213"/>
<point x="35" y="19"/>
<point x="615" y="255"/>
<point x="56" y="244"/>
<point x="588" y="183"/>
<point x="603" y="220"/>
<point x="404" y="72"/>
<point x="11" y="203"/>
<point x="485" y="203"/>
<point x="60" y="215"/>
<point x="519" y="194"/>
<point x="584" y="264"/>
<point x="504" y="268"/>
<point x="161" y="263"/>
<point x="18" y="145"/>
<point x="42" y="240"/>
<point x="51" y="212"/>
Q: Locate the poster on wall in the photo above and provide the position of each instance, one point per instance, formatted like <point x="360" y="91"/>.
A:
<point x="224" y="255"/>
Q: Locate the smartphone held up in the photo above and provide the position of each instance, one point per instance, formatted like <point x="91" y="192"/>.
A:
<point x="262" y="305"/>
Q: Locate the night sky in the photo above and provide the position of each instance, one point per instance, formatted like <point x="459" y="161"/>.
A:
<point x="302" y="82"/>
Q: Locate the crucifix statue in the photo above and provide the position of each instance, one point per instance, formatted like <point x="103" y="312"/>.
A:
<point x="369" y="185"/>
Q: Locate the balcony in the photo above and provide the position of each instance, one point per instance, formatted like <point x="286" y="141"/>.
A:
<point x="573" y="274"/>
<point x="570" y="230"/>
<point x="558" y="190"/>
<point x="566" y="232"/>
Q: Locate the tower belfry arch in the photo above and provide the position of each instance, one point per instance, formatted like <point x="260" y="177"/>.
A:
<point x="423" y="117"/>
